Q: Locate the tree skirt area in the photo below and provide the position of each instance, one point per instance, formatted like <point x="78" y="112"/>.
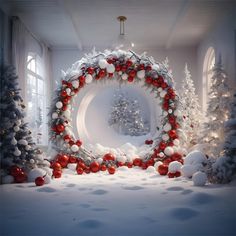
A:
<point x="131" y="202"/>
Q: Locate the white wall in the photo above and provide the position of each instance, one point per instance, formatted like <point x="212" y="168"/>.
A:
<point x="62" y="59"/>
<point x="223" y="39"/>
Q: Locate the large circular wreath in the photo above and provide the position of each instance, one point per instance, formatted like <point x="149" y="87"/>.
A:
<point x="126" y="67"/>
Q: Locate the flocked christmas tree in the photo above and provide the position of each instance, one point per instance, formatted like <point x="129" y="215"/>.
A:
<point x="17" y="146"/>
<point x="225" y="166"/>
<point x="126" y="116"/>
<point x="190" y="109"/>
<point x="217" y="111"/>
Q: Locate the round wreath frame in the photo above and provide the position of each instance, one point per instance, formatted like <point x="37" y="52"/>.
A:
<point x="127" y="67"/>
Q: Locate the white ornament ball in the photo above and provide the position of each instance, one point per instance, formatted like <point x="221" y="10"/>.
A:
<point x="176" y="142"/>
<point x="34" y="173"/>
<point x="162" y="93"/>
<point x="27" y="147"/>
<point x="16" y="128"/>
<point x="59" y="105"/>
<point x="75" y="84"/>
<point x="124" y="76"/>
<point x="141" y="74"/>
<point x="165" y="113"/>
<point x="100" y="160"/>
<point x="177" y="113"/>
<point x="159" y="89"/>
<point x="18" y="122"/>
<point x="120" y="73"/>
<point x="195" y="157"/>
<point x="88" y="79"/>
<point x="13" y="141"/>
<point x="165" y="137"/>
<point x="32" y="161"/>
<point x="102" y="63"/>
<point x="17" y="152"/>
<point x="67" y="114"/>
<point x="48" y="170"/>
<point x="23" y="142"/>
<point x="199" y="178"/>
<point x="167" y="127"/>
<point x="175" y="166"/>
<point x="151" y="169"/>
<point x="68" y="91"/>
<point x="121" y="158"/>
<point x="161" y="154"/>
<point x="169" y="151"/>
<point x="158" y="163"/>
<point x="188" y="170"/>
<point x="7" y="179"/>
<point x="47" y="179"/>
<point x="170" y="111"/>
<point x="74" y="148"/>
<point x="110" y="68"/>
<point x="54" y="115"/>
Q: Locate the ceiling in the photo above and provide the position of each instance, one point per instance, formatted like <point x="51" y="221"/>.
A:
<point x="87" y="23"/>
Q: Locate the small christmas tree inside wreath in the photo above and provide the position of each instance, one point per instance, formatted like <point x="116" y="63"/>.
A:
<point x="127" y="67"/>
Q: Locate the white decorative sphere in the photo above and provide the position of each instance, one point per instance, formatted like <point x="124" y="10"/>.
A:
<point x="88" y="79"/>
<point x="59" y="105"/>
<point x="54" y="115"/>
<point x="155" y="67"/>
<point x="34" y="173"/>
<point x="48" y="170"/>
<point x="16" y="128"/>
<point x="121" y="158"/>
<point x="170" y="111"/>
<point x="47" y="179"/>
<point x="100" y="160"/>
<point x="141" y="74"/>
<point x="102" y="63"/>
<point x="176" y="142"/>
<point x="7" y="179"/>
<point x="159" y="89"/>
<point x="110" y="68"/>
<point x="124" y="76"/>
<point x="17" y="152"/>
<point x="199" y="178"/>
<point x="151" y="169"/>
<point x="13" y="141"/>
<point x="120" y="73"/>
<point x="158" y="163"/>
<point x="67" y="114"/>
<point x="167" y="127"/>
<point x="32" y="161"/>
<point x="165" y="113"/>
<point x="169" y="151"/>
<point x="68" y="91"/>
<point x="75" y="84"/>
<point x="177" y="113"/>
<point x="165" y="137"/>
<point x="161" y="154"/>
<point x="188" y="170"/>
<point x="162" y="93"/>
<point x="74" y="148"/>
<point x="27" y="147"/>
<point x="195" y="157"/>
<point x="175" y="166"/>
<point x="18" y="122"/>
<point x="23" y="142"/>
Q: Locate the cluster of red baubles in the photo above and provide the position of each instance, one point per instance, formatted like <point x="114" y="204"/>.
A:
<point x="18" y="173"/>
<point x="109" y="164"/>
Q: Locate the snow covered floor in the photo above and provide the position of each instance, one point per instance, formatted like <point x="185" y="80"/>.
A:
<point x="132" y="202"/>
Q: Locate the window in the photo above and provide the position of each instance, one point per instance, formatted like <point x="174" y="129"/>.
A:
<point x="209" y="62"/>
<point x="36" y="99"/>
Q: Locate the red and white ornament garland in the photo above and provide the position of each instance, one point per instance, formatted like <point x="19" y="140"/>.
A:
<point x="127" y="67"/>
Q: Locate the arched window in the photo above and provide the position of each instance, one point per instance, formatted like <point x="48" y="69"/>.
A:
<point x="36" y="99"/>
<point x="209" y="62"/>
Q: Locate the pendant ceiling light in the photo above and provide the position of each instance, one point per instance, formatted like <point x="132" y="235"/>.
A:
<point x="122" y="42"/>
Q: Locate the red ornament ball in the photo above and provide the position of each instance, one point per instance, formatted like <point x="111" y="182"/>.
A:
<point x="80" y="171"/>
<point x="172" y="134"/>
<point x="56" y="166"/>
<point x="129" y="164"/>
<point x="148" y="80"/>
<point x="39" y="181"/>
<point x="137" y="162"/>
<point x="90" y="70"/>
<point x="103" y="167"/>
<point x="15" y="170"/>
<point x="130" y="79"/>
<point x="21" y="177"/>
<point x="129" y="63"/>
<point x="60" y="128"/>
<point x="82" y="79"/>
<point x="111" y="170"/>
<point x="177" y="174"/>
<point x="162" y="169"/>
<point x="72" y="159"/>
<point x="63" y="160"/>
<point x="94" y="167"/>
<point x="66" y="138"/>
<point x="78" y="143"/>
<point x="63" y="93"/>
<point x="108" y="157"/>
<point x="57" y="173"/>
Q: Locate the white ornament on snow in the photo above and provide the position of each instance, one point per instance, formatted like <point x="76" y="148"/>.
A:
<point x="169" y="151"/>
<point x="32" y="161"/>
<point x="16" y="128"/>
<point x="17" y="152"/>
<point x="165" y="137"/>
<point x="121" y="158"/>
<point x="163" y="93"/>
<point x="188" y="170"/>
<point x="102" y="63"/>
<point x="68" y="91"/>
<point x="47" y="179"/>
<point x="199" y="178"/>
<point x="176" y="142"/>
<point x="34" y="173"/>
<point x="100" y="160"/>
<point x="195" y="157"/>
<point x="7" y="179"/>
<point x="167" y="127"/>
<point x="110" y="68"/>
<point x="74" y="148"/>
<point x="158" y="163"/>
<point x="48" y="170"/>
<point x="18" y="122"/>
<point x="124" y="76"/>
<point x="155" y="67"/>
<point x="88" y="79"/>
<point x="54" y="115"/>
<point x="75" y="84"/>
<point x="151" y="169"/>
<point x="23" y="142"/>
<point x="27" y="147"/>
<point x="59" y="105"/>
<point x="13" y="141"/>
<point x="67" y="114"/>
<point x="161" y="154"/>
<point x="175" y="166"/>
<point x="141" y="74"/>
<point x="170" y="111"/>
